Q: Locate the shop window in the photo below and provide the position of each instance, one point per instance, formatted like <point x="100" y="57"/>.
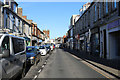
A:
<point x="95" y="43"/>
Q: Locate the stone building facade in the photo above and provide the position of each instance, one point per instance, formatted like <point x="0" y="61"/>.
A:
<point x="99" y="29"/>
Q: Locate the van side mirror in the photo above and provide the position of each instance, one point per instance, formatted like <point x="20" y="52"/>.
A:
<point x="5" y="53"/>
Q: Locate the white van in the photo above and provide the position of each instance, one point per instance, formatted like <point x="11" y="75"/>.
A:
<point x="12" y="56"/>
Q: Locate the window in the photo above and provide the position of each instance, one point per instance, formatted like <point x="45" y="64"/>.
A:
<point x="88" y="18"/>
<point x="18" y="23"/>
<point x="7" y="3"/>
<point x="14" y="8"/>
<point x="99" y="11"/>
<point x="95" y="12"/>
<point x="103" y="8"/>
<point x="41" y="47"/>
<point x="115" y="3"/>
<point x="5" y="44"/>
<point x="85" y="20"/>
<point x="13" y="22"/>
<point x="18" y="45"/>
<point x="23" y="27"/>
<point x="6" y="20"/>
<point x="106" y="6"/>
<point x="30" y="50"/>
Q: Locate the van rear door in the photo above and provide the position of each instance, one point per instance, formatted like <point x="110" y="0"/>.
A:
<point x="19" y="48"/>
<point x="8" y="62"/>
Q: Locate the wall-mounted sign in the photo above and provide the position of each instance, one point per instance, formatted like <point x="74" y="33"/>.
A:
<point x="114" y="24"/>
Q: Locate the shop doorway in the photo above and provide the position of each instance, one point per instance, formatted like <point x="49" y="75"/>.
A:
<point x="104" y="44"/>
<point x="114" y="45"/>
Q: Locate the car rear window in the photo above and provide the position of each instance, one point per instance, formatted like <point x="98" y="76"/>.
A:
<point x="30" y="49"/>
<point x="42" y="47"/>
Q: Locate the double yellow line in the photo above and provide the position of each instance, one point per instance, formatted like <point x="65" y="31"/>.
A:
<point x="94" y="69"/>
<point x="100" y="72"/>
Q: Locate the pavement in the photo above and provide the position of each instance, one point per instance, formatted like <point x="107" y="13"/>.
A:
<point x="63" y="65"/>
<point x="110" y="66"/>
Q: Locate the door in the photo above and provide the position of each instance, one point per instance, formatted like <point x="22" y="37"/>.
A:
<point x="18" y="48"/>
<point x="7" y="63"/>
<point x="104" y="45"/>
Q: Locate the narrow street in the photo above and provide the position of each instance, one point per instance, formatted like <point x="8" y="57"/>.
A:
<point x="61" y="64"/>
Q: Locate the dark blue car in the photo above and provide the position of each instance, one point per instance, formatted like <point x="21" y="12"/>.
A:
<point x="33" y="55"/>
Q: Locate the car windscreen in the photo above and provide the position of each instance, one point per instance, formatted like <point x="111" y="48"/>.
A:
<point x="30" y="50"/>
<point x="41" y="47"/>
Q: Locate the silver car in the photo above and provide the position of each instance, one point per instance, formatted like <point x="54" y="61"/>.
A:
<point x="12" y="56"/>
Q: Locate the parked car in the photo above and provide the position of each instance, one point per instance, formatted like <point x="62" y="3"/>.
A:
<point x="51" y="46"/>
<point x="48" y="48"/>
<point x="12" y="56"/>
<point x="54" y="46"/>
<point x="43" y="50"/>
<point x="33" y="55"/>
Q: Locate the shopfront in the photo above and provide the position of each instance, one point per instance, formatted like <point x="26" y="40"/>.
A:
<point x="114" y="39"/>
<point x="95" y="46"/>
<point x="82" y="43"/>
<point x="77" y="42"/>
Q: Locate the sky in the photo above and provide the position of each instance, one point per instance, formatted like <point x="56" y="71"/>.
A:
<point x="53" y="16"/>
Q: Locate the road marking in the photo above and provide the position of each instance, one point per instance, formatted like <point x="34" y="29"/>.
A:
<point x="45" y="63"/>
<point x="35" y="77"/>
<point x="76" y="57"/>
<point x="95" y="68"/>
<point x="42" y="66"/>
<point x="39" y="70"/>
<point x="88" y="64"/>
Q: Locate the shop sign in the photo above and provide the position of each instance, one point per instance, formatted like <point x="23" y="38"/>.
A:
<point x="114" y="24"/>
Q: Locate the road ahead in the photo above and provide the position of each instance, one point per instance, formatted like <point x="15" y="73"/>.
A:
<point x="62" y="64"/>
